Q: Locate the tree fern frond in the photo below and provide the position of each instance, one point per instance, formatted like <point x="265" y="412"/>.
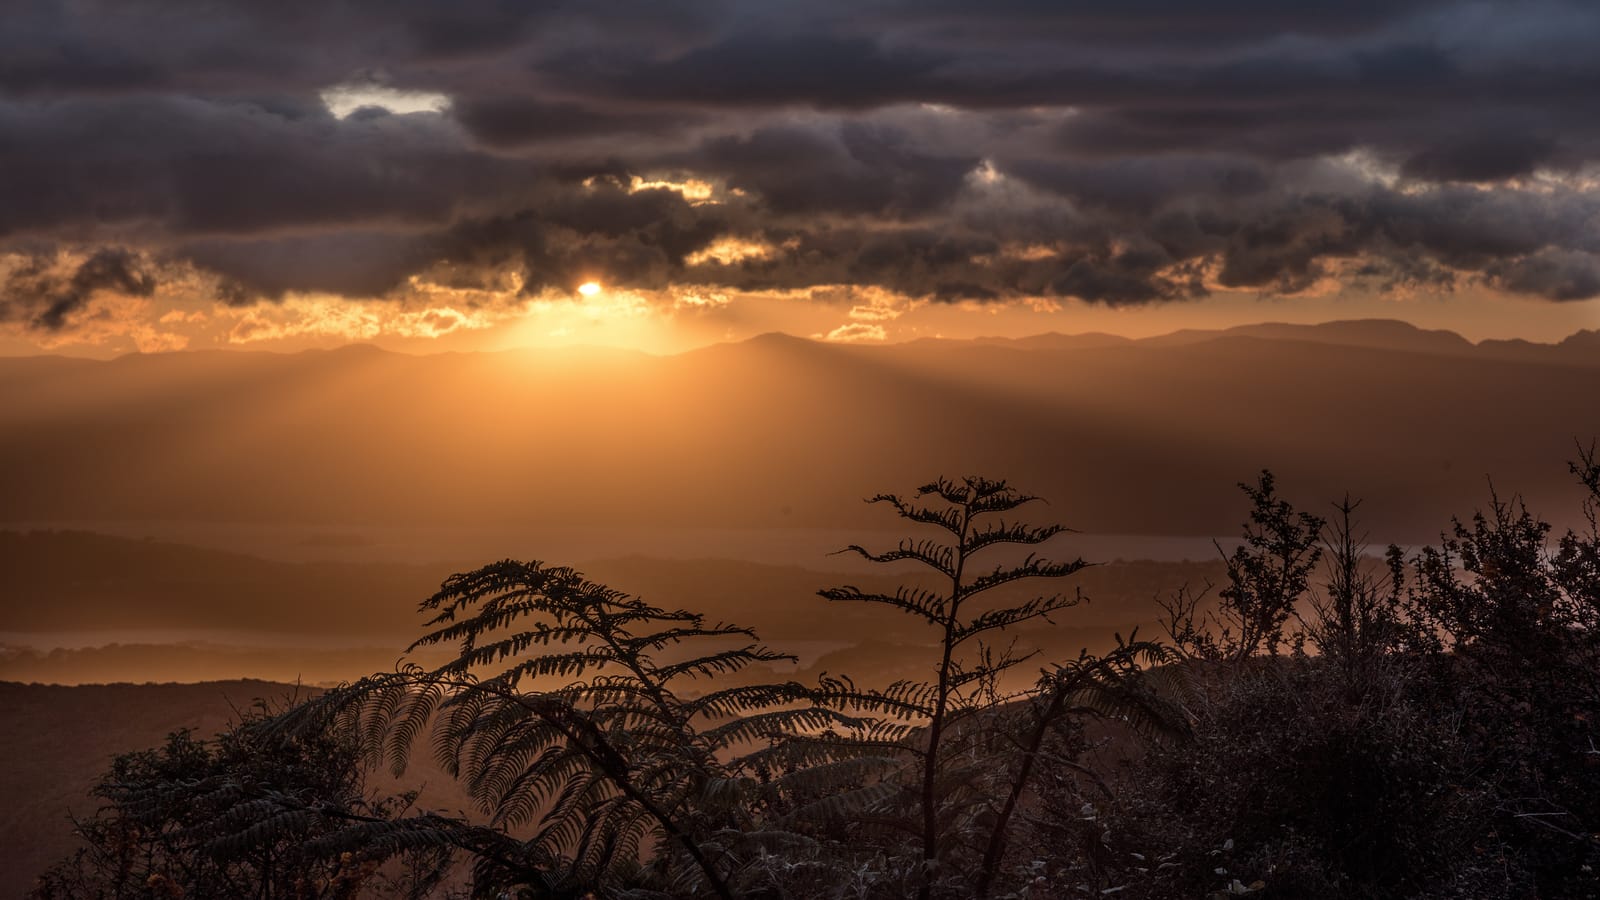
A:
<point x="839" y="805"/>
<point x="926" y="605"/>
<point x="774" y="723"/>
<point x="936" y="556"/>
<point x="721" y="663"/>
<point x="732" y="701"/>
<point x="1032" y="567"/>
<point x="1014" y="533"/>
<point x="1007" y="617"/>
<point x="949" y="520"/>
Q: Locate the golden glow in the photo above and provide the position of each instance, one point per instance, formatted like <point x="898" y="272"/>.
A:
<point x="856" y="333"/>
<point x="728" y="251"/>
<point x="325" y="316"/>
<point x="693" y="189"/>
<point x="428" y="313"/>
<point x="611" y="318"/>
<point x="1017" y="252"/>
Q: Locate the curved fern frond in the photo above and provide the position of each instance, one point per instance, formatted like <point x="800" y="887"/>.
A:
<point x="926" y="605"/>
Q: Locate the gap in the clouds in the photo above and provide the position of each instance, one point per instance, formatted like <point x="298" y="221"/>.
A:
<point x="342" y="100"/>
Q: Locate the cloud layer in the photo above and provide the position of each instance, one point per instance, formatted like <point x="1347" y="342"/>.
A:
<point x="1115" y="152"/>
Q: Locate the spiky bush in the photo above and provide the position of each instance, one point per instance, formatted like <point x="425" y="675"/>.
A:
<point x="1439" y="743"/>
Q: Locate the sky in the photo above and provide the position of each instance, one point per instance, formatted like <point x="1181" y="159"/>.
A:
<point x="482" y="175"/>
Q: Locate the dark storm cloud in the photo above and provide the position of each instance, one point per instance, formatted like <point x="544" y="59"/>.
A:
<point x="1486" y="158"/>
<point x="1156" y="21"/>
<point x="197" y="46"/>
<point x="1557" y="274"/>
<point x="516" y="120"/>
<point x="1144" y="184"/>
<point x="190" y="165"/>
<point x="578" y="233"/>
<point x="1120" y="152"/>
<point x="861" y="168"/>
<point x="748" y="70"/>
<point x="352" y="263"/>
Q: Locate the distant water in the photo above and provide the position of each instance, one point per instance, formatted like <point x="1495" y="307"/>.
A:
<point x="197" y="637"/>
<point x="811" y="548"/>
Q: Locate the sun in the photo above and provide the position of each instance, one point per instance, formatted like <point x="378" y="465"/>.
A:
<point x="589" y="288"/>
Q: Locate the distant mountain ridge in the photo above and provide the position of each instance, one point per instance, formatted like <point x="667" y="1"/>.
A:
<point x="1580" y="348"/>
<point x="1127" y="437"/>
<point x="1378" y="334"/>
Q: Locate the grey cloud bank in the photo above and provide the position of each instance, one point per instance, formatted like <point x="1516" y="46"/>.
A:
<point x="1121" y="153"/>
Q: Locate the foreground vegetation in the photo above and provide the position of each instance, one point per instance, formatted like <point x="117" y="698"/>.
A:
<point x="1318" y="725"/>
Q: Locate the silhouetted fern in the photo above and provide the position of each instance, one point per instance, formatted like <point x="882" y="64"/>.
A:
<point x="571" y="711"/>
<point x="969" y="740"/>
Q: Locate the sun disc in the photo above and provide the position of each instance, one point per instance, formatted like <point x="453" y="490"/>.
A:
<point x="589" y="288"/>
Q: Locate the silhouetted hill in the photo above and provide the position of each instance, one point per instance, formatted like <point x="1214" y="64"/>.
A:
<point x="1579" y="349"/>
<point x="1377" y="334"/>
<point x="1053" y="340"/>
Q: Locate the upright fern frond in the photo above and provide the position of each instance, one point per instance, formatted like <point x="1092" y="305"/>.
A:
<point x="944" y="730"/>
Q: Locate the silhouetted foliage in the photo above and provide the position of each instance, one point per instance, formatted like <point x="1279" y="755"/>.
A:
<point x="1519" y="624"/>
<point x="1357" y="618"/>
<point x="248" y="814"/>
<point x="1268" y="574"/>
<point x="1438" y="742"/>
<point x="581" y="715"/>
<point x="1329" y="724"/>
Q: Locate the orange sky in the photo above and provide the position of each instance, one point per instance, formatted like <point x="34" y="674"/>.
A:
<point x="673" y="321"/>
